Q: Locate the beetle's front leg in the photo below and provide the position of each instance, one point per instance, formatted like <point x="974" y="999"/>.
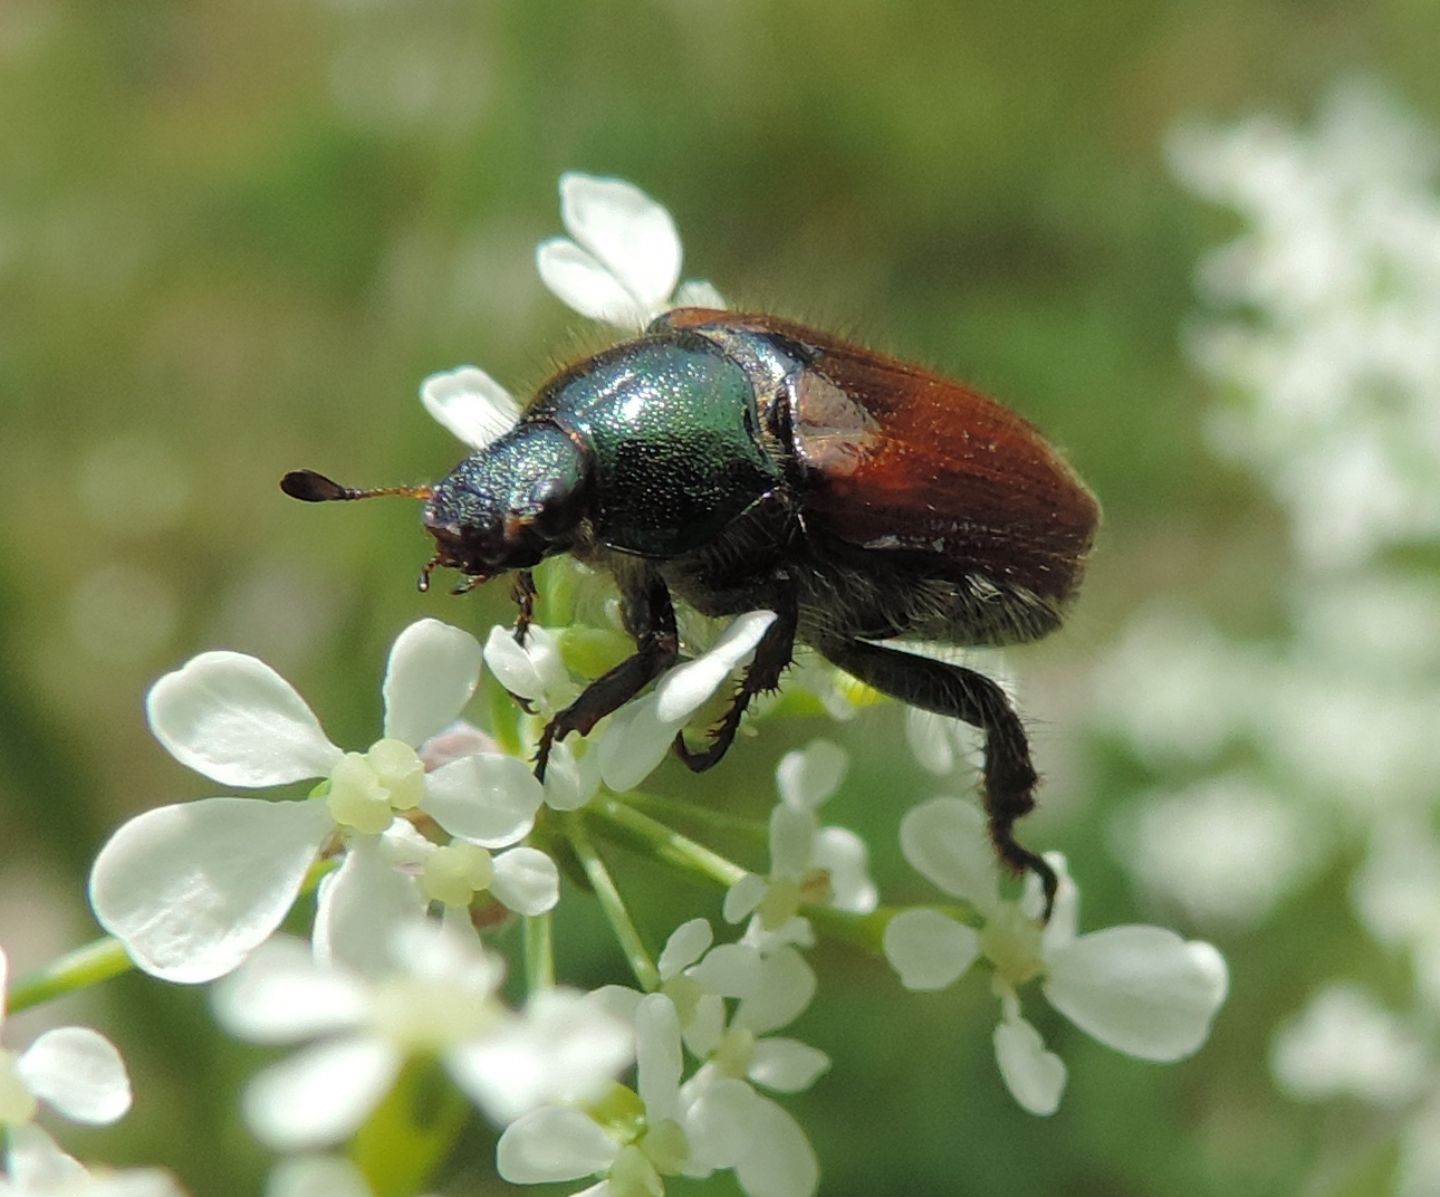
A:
<point x="962" y="693"/>
<point x="651" y="619"/>
<point x="772" y="656"/>
<point x="522" y="590"/>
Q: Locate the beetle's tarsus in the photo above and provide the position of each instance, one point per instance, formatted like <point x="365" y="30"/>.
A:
<point x="523" y="591"/>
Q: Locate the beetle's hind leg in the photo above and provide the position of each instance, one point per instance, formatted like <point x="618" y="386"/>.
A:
<point x="963" y="694"/>
<point x="772" y="656"/>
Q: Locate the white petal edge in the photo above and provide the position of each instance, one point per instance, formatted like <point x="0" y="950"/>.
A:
<point x="192" y="889"/>
<point x="282" y="994"/>
<point x="1034" y="1076"/>
<point x="360" y="909"/>
<point x="686" y="688"/>
<point x="582" y="282"/>
<point x="787" y="1065"/>
<point x="470" y="404"/>
<point x="234" y="719"/>
<point x="808" y="776"/>
<point x="632" y="236"/>
<point x="685" y="945"/>
<point x="787" y="986"/>
<point x="321" y="1095"/>
<point x="316" y="1176"/>
<point x="79" y="1072"/>
<point x="779" y="1161"/>
<point x="526" y="881"/>
<point x="946" y="842"/>
<point x="1141" y="990"/>
<point x="432" y="672"/>
<point x="552" y="1144"/>
<point x="489" y="799"/>
<point x="660" y="1057"/>
<point x="929" y="950"/>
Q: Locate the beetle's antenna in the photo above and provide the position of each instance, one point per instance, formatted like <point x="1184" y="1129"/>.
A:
<point x="310" y="487"/>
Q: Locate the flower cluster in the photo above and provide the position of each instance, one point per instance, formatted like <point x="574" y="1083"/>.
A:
<point x="419" y="846"/>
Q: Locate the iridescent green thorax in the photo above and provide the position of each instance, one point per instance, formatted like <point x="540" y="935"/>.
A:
<point x="674" y="439"/>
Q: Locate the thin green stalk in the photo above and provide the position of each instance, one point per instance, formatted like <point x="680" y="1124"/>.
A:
<point x="539" y="939"/>
<point x="677" y="810"/>
<point x="612" y="904"/>
<point x="85" y="966"/>
<point x="663" y="843"/>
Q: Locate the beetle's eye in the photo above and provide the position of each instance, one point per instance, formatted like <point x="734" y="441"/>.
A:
<point x="553" y="502"/>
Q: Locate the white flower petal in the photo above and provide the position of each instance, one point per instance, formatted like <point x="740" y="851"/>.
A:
<point x="283" y="994"/>
<point x="945" y="840"/>
<point x="634" y="743"/>
<point x="704" y="1027"/>
<point x="743" y="897"/>
<point x="786" y="1065"/>
<point x="631" y="234"/>
<point x="489" y="799"/>
<point x="432" y="672"/>
<point x="192" y="889"/>
<point x="807" y="777"/>
<point x="686" y="688"/>
<point x="1141" y="990"/>
<point x="36" y="1167"/>
<point x="79" y="1072"/>
<point x="659" y="1056"/>
<point x="570" y="781"/>
<point x="792" y="834"/>
<point x="787" y="985"/>
<point x="316" y="1176"/>
<point x="733" y="970"/>
<point x="687" y="943"/>
<point x="928" y="949"/>
<point x="1034" y="1076"/>
<point x="846" y="857"/>
<point x="583" y="282"/>
<point x="360" y="907"/>
<point x="321" y="1095"/>
<point x="554" y="1143"/>
<point x="699" y="293"/>
<point x="526" y="881"/>
<point x="471" y="404"/>
<point x="718" y="1120"/>
<point x="234" y="719"/>
<point x="564" y="1047"/>
<point x="779" y="1161"/>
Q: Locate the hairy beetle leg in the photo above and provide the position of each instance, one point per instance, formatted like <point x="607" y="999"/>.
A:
<point x="657" y="644"/>
<point x="961" y="693"/>
<point x="523" y="591"/>
<point x="772" y="657"/>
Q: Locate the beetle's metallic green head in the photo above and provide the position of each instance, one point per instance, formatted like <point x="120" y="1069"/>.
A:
<point x="510" y="504"/>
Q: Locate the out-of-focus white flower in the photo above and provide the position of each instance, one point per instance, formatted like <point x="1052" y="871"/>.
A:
<point x="36" y="1167"/>
<point x="827" y="866"/>
<point x="621" y="262"/>
<point x="1141" y="990"/>
<point x="74" y="1070"/>
<point x="192" y="889"/>
<point x="440" y="998"/>
<point x="714" y="1121"/>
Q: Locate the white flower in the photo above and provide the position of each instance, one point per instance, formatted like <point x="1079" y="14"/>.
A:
<point x="439" y="998"/>
<point x="74" y="1070"/>
<point x="624" y="260"/>
<point x="636" y="1138"/>
<point x="809" y="863"/>
<point x="36" y="1167"/>
<point x="1141" y="990"/>
<point x="192" y="889"/>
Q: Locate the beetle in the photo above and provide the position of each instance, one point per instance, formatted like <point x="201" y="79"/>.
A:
<point x="738" y="461"/>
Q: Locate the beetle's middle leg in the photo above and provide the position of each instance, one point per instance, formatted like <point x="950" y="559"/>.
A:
<point x="963" y="694"/>
<point x="772" y="655"/>
<point x="651" y="619"/>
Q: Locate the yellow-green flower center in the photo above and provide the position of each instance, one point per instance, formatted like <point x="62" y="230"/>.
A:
<point x="1011" y="942"/>
<point x="455" y="873"/>
<point x="366" y="789"/>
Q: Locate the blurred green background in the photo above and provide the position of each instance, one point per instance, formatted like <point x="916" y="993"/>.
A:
<point x="235" y="236"/>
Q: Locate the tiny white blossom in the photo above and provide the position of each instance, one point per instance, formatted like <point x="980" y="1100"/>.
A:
<point x="316" y="1176"/>
<point x="192" y="889"/>
<point x="36" y="1167"/>
<point x="621" y="262"/>
<point x="440" y="998"/>
<point x="809" y="863"/>
<point x="74" y="1070"/>
<point x="1140" y="990"/>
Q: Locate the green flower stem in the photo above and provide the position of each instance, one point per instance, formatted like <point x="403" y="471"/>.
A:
<point x="412" y="1130"/>
<point x="539" y="939"/>
<point x="85" y="966"/>
<point x="676" y="810"/>
<point x="612" y="904"/>
<point x="662" y="843"/>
